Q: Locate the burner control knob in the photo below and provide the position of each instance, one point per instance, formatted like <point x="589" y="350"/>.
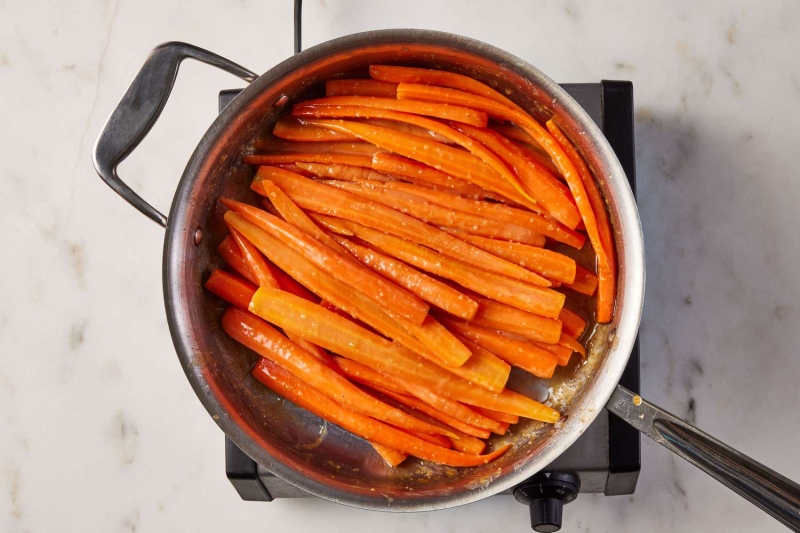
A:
<point x="546" y="494"/>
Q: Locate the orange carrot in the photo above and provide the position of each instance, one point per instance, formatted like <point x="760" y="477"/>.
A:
<point x="346" y="338"/>
<point x="585" y="281"/>
<point x="492" y="210"/>
<point x="360" y="87"/>
<point x="486" y="369"/>
<point x="296" y="170"/>
<point x="445" y="112"/>
<point x="426" y="176"/>
<point x="574" y="324"/>
<point x="328" y="159"/>
<point x="497" y="415"/>
<point x="552" y="195"/>
<point x="562" y="353"/>
<point x="275" y="146"/>
<point x="255" y="261"/>
<point x="496" y="315"/>
<point x="448" y="159"/>
<point x="262" y="338"/>
<point x="430" y="290"/>
<point x="231" y="254"/>
<point x="392" y="457"/>
<point x="433" y="439"/>
<point x="233" y="290"/>
<point x="608" y="274"/>
<point x="552" y="265"/>
<point x="537" y="300"/>
<point x="342" y="172"/>
<point x="330" y="201"/>
<point x="308" y="397"/>
<point x="440" y="216"/>
<point x="572" y="343"/>
<point x="344" y="269"/>
<point x="407" y="127"/>
<point x="290" y="129"/>
<point x="521" y="354"/>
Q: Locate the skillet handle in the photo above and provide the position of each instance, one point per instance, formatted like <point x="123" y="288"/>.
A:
<point x="772" y="492"/>
<point x="139" y="109"/>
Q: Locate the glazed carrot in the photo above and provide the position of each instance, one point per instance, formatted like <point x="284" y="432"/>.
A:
<point x="342" y="172"/>
<point x="496" y="315"/>
<point x="585" y="281"/>
<point x="290" y="129"/>
<point x="440" y="111"/>
<point x="492" y="210"/>
<point x="435" y="413"/>
<point x="521" y="354"/>
<point x="275" y="146"/>
<point x="231" y="254"/>
<point x="354" y="342"/>
<point x="255" y="261"/>
<point x="232" y="289"/>
<point x="545" y="188"/>
<point x="497" y="415"/>
<point x="448" y="159"/>
<point x="440" y="216"/>
<point x="483" y="368"/>
<point x="360" y="87"/>
<point x="437" y="338"/>
<point x="430" y="290"/>
<point x="542" y="160"/>
<point x="513" y="133"/>
<point x="320" y="198"/>
<point x="392" y="457"/>
<point x="608" y="274"/>
<point x="454" y="133"/>
<point x="405" y="127"/>
<point x="503" y="428"/>
<point x="572" y="343"/>
<point x="537" y="300"/>
<point x="562" y="353"/>
<point x="573" y="323"/>
<point x="296" y="170"/>
<point x="263" y="339"/>
<point x="363" y="374"/>
<point x="427" y="176"/>
<point x="328" y="159"/>
<point x="342" y="268"/>
<point x="552" y="265"/>
<point x="438" y="440"/>
<point x="308" y="397"/>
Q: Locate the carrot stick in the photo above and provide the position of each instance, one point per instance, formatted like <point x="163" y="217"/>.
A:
<point x="360" y="87"/>
<point x="426" y="176"/>
<point x="608" y="274"/>
<point x="497" y="415"/>
<point x="342" y="172"/>
<point x="255" y="261"/>
<point x="363" y="374"/>
<point x="263" y="339"/>
<point x="430" y="290"/>
<point x="502" y="213"/>
<point x="349" y="340"/>
<point x="483" y="368"/>
<point x="574" y="324"/>
<point x="585" y="281"/>
<point x="440" y="156"/>
<point x="328" y="159"/>
<point x="406" y="127"/>
<point x="440" y="111"/>
<point x="521" y="354"/>
<point x="437" y="215"/>
<point x="275" y="146"/>
<point x="231" y="254"/>
<point x="296" y="170"/>
<point x="552" y="265"/>
<point x="438" y="339"/>
<point x="496" y="315"/>
<point x="572" y="343"/>
<point x="290" y="129"/>
<point x="562" y="353"/>
<point x="545" y="188"/>
<point x="392" y="457"/>
<point x="232" y="289"/>
<point x="438" y="440"/>
<point x="454" y="133"/>
<point x="537" y="300"/>
<point x="308" y="397"/>
<point x="330" y="201"/>
<point x="435" y="413"/>
<point x="342" y="268"/>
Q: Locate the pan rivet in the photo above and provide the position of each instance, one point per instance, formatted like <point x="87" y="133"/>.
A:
<point x="280" y="102"/>
<point x="198" y="236"/>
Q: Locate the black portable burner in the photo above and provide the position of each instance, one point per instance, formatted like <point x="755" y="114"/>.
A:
<point x="606" y="458"/>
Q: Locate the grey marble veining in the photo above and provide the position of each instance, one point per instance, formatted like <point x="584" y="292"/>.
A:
<point x="101" y="431"/>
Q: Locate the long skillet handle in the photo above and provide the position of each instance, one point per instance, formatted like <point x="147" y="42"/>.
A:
<point x="139" y="109"/>
<point x="772" y="492"/>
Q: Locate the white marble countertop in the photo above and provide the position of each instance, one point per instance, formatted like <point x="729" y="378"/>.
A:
<point x="100" y="429"/>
